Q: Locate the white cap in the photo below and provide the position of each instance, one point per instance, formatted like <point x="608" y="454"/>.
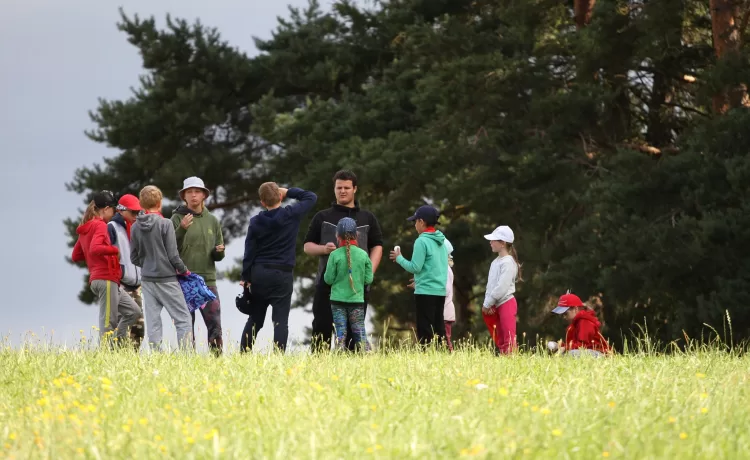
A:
<point x="194" y="182"/>
<point x="501" y="233"/>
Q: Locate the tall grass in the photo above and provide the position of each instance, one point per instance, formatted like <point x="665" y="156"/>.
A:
<point x="396" y="402"/>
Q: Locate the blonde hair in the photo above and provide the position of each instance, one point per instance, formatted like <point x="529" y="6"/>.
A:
<point x="90" y="212"/>
<point x="269" y="194"/>
<point x="150" y="197"/>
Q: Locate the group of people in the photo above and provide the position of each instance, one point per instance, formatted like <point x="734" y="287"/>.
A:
<point x="130" y="247"/>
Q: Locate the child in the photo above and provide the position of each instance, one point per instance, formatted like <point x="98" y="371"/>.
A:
<point x="583" y="332"/>
<point x="117" y="310"/>
<point x="154" y="249"/>
<point x="201" y="244"/>
<point x="499" y="308"/>
<point x="449" y="310"/>
<point x="348" y="272"/>
<point x="429" y="265"/>
<point x="119" y="227"/>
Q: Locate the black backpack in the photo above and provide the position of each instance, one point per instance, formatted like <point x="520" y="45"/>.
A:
<point x="243" y="301"/>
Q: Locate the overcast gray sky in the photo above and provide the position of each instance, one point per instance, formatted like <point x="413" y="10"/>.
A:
<point x="57" y="59"/>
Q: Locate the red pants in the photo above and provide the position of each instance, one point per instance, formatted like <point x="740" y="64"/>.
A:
<point x="502" y="326"/>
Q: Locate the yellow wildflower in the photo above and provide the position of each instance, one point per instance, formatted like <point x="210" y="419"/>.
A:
<point x="556" y="432"/>
<point x="683" y="435"/>
<point x="503" y="391"/>
<point x="190" y="440"/>
<point x="546" y="411"/>
<point x="126" y="428"/>
<point x="672" y="420"/>
<point x="700" y="375"/>
<point x="157" y="438"/>
<point x="143" y="421"/>
<point x="605" y="454"/>
<point x="704" y="410"/>
<point x="611" y="404"/>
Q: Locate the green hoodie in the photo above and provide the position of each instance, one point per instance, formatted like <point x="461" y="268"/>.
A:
<point x="197" y="244"/>
<point x="428" y="264"/>
<point x="337" y="274"/>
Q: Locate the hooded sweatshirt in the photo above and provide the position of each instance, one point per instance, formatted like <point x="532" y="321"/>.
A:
<point x="583" y="333"/>
<point x="197" y="244"/>
<point x="154" y="249"/>
<point x="119" y="235"/>
<point x="94" y="247"/>
<point x="428" y="264"/>
<point x="272" y="235"/>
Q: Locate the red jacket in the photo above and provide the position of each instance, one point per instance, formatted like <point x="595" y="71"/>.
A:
<point x="583" y="332"/>
<point x="95" y="248"/>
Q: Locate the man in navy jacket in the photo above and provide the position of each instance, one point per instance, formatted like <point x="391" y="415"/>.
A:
<point x="270" y="257"/>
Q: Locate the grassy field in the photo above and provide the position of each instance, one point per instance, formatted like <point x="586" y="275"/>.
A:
<point x="84" y="404"/>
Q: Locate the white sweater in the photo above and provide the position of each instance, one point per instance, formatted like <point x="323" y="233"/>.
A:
<point x="501" y="282"/>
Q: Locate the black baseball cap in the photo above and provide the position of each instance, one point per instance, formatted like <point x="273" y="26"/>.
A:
<point x="104" y="199"/>
<point x="428" y="214"/>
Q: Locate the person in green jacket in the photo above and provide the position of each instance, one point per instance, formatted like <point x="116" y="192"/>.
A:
<point x="201" y="244"/>
<point x="348" y="272"/>
<point x="429" y="265"/>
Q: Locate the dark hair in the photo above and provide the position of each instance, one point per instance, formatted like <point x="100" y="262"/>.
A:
<point x="345" y="174"/>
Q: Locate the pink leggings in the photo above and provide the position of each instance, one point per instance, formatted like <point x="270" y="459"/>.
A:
<point x="502" y="326"/>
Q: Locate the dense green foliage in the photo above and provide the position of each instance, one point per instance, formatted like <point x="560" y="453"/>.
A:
<point x="597" y="145"/>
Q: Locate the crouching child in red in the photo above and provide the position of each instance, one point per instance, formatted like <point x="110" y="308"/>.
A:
<point x="583" y="334"/>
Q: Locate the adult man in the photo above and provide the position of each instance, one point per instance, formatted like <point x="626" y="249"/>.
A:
<point x="201" y="244"/>
<point x="321" y="241"/>
<point x="270" y="257"/>
<point x="119" y="234"/>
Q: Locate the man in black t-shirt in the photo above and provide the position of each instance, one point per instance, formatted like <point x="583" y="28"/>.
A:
<point x="321" y="241"/>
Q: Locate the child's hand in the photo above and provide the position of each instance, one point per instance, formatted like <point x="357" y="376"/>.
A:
<point x="187" y="221"/>
<point x="220" y="248"/>
<point x="412" y="284"/>
<point x="395" y="253"/>
<point x="489" y="311"/>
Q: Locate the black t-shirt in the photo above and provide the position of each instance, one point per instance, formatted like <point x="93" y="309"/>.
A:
<point x="322" y="230"/>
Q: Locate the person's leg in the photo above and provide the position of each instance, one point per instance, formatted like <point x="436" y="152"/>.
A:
<point x="153" y="315"/>
<point x="129" y="314"/>
<point x="351" y="343"/>
<point x="493" y="326"/>
<point x="357" y="325"/>
<point x="212" y="317"/>
<point x="438" y="325"/>
<point x="507" y="326"/>
<point x="423" y="317"/>
<point x="281" y="304"/>
<point x="322" y="325"/>
<point x="174" y="302"/>
<point x="107" y="298"/>
<point x="340" y="325"/>
<point x="258" y="308"/>
<point x="448" y="334"/>
<point x="138" y="330"/>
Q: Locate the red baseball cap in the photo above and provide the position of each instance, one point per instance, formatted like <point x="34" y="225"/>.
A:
<point x="129" y="203"/>
<point x="567" y="301"/>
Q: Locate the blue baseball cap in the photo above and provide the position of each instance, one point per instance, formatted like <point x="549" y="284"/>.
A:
<point x="427" y="213"/>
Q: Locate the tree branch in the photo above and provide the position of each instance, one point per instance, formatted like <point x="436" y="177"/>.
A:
<point x="649" y="149"/>
<point x="228" y="204"/>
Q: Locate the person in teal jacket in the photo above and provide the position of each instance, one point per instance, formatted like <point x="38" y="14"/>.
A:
<point x="348" y="272"/>
<point x="429" y="265"/>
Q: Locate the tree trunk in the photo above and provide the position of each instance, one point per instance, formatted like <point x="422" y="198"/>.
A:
<point x="725" y="25"/>
<point x="582" y="12"/>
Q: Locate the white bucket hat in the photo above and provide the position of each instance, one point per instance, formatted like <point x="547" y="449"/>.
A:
<point x="194" y="182"/>
<point x="501" y="233"/>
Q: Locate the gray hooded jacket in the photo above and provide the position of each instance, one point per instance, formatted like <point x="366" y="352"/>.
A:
<point x="154" y="249"/>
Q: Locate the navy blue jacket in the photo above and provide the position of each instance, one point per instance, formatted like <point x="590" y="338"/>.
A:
<point x="272" y="235"/>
